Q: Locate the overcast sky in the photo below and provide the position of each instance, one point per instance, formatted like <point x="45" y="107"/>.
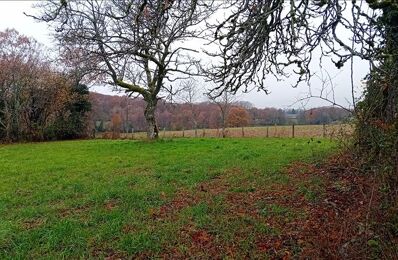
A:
<point x="282" y="94"/>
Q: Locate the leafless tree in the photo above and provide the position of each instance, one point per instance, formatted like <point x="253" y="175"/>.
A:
<point x="190" y="94"/>
<point x="326" y="93"/>
<point x="224" y="100"/>
<point x="279" y="38"/>
<point x="23" y="70"/>
<point x="135" y="45"/>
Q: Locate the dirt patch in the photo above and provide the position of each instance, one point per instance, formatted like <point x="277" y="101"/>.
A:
<point x="33" y="223"/>
<point x="111" y="205"/>
<point x="66" y="212"/>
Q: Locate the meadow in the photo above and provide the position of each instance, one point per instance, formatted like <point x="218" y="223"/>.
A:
<point x="202" y="197"/>
<point x="335" y="131"/>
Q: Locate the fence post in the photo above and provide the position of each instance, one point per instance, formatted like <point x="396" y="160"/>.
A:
<point x="324" y="130"/>
<point x="203" y="134"/>
<point x="267" y="131"/>
<point x="132" y="133"/>
<point x="196" y="132"/>
<point x="183" y="132"/>
<point x="243" y="132"/>
<point x="293" y="131"/>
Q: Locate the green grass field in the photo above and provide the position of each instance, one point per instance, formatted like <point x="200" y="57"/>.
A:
<point x="102" y="198"/>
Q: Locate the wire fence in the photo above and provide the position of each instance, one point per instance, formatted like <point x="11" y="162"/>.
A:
<point x="287" y="131"/>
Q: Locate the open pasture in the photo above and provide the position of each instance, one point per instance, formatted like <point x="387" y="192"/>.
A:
<point x="169" y="198"/>
<point x="301" y="131"/>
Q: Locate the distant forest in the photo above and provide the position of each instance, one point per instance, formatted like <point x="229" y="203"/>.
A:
<point x="121" y="113"/>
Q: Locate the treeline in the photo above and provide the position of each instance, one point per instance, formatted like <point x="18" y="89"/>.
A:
<point x="42" y="100"/>
<point x="120" y="113"/>
<point x="37" y="101"/>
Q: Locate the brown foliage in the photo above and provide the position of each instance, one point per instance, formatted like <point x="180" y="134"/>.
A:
<point x="195" y="115"/>
<point x="238" y="116"/>
<point x="33" y="95"/>
<point x="116" y="125"/>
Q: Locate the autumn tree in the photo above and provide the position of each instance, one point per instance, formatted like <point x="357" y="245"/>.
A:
<point x="238" y="117"/>
<point x="136" y="45"/>
<point x="73" y="123"/>
<point x="116" y="125"/>
<point x="267" y="116"/>
<point x="33" y="95"/>
<point x="19" y="56"/>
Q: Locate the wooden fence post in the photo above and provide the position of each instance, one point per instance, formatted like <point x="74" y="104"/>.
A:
<point x="183" y="132"/>
<point x="324" y="131"/>
<point x="243" y="132"/>
<point x="204" y="133"/>
<point x="267" y="131"/>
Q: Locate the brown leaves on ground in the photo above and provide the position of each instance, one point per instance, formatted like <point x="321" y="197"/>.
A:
<point x="201" y="238"/>
<point x="33" y="223"/>
<point x="322" y="212"/>
<point x="111" y="205"/>
<point x="66" y="212"/>
<point x="182" y="199"/>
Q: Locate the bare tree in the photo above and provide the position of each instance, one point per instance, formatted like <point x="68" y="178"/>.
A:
<point x="326" y="92"/>
<point x="279" y="38"/>
<point x="190" y="95"/>
<point x="224" y="101"/>
<point x="136" y="45"/>
<point x="19" y="60"/>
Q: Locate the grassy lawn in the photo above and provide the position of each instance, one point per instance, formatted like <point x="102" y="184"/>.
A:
<point x="100" y="198"/>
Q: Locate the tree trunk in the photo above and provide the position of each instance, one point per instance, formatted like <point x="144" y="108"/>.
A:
<point x="152" y="130"/>
<point x="223" y="135"/>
